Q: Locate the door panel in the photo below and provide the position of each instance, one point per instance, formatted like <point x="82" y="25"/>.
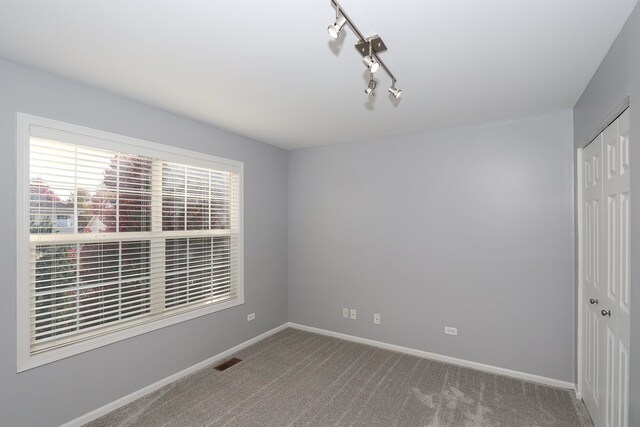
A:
<point x="625" y="291"/>
<point x="612" y="247"/>
<point x="592" y="232"/>
<point x="610" y="379"/>
<point x="624" y="260"/>
<point x="623" y="386"/>
<point x="624" y="309"/>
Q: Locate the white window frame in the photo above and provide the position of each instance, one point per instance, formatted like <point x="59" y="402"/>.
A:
<point x="74" y="134"/>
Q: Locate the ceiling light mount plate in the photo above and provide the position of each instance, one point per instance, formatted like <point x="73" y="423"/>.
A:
<point x="377" y="45"/>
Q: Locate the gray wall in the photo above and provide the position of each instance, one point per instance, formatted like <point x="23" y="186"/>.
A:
<point x="617" y="78"/>
<point x="468" y="227"/>
<point x="60" y="391"/>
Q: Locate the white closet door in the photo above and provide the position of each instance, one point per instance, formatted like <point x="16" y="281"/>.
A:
<point x="605" y="273"/>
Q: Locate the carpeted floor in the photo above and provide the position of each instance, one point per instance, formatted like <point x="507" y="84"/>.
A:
<point x="296" y="378"/>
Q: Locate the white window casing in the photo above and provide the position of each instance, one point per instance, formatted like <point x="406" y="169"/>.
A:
<point x="118" y="236"/>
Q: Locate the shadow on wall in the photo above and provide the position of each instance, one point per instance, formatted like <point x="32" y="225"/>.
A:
<point x="335" y="45"/>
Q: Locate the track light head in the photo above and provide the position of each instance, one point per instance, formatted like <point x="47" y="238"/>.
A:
<point x="371" y="87"/>
<point x="335" y="29"/>
<point x="393" y="90"/>
<point x="371" y="63"/>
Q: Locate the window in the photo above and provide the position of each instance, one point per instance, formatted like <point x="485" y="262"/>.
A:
<point x="117" y="237"/>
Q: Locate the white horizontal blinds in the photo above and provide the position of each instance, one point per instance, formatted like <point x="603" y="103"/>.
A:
<point x="76" y="189"/>
<point x="79" y="287"/>
<point x="128" y="182"/>
<point x="119" y="239"/>
<point x="196" y="198"/>
<point x="200" y="269"/>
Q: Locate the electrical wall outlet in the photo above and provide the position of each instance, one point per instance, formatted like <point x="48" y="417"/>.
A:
<point x="450" y="331"/>
<point x="250" y="317"/>
<point x="376" y="318"/>
<point x="353" y="314"/>
<point x="345" y="312"/>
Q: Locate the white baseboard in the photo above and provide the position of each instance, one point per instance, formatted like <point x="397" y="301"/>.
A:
<point x="439" y="357"/>
<point x="158" y="384"/>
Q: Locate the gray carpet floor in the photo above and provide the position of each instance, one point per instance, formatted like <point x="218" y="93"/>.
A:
<point x="296" y="378"/>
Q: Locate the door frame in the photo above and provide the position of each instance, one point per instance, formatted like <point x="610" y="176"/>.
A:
<point x="615" y="113"/>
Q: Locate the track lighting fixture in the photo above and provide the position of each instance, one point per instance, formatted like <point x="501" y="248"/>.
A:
<point x="393" y="90"/>
<point x="369" y="48"/>
<point x="369" y="62"/>
<point x="371" y="87"/>
<point x="335" y="29"/>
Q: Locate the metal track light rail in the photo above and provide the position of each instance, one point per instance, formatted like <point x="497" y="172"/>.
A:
<point x="368" y="47"/>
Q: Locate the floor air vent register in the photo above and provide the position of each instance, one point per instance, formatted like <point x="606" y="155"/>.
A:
<point x="226" y="365"/>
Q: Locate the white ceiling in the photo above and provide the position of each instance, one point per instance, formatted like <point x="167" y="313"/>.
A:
<point x="267" y="70"/>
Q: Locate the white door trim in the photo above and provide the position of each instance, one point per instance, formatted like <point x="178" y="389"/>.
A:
<point x="578" y="186"/>
<point x="615" y="113"/>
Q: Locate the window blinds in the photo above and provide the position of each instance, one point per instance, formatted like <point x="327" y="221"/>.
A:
<point x="119" y="239"/>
